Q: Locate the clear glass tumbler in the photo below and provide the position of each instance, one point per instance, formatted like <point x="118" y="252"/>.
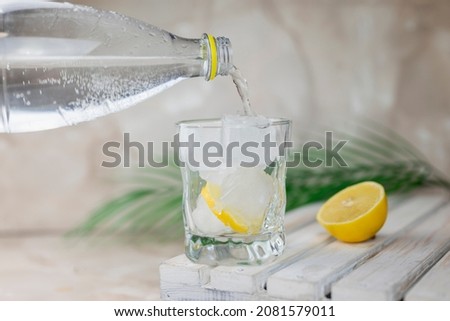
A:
<point x="233" y="190"/>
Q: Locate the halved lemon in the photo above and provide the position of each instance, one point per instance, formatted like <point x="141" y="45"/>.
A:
<point x="356" y="213"/>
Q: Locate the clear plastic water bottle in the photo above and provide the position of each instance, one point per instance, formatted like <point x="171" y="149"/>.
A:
<point x="63" y="64"/>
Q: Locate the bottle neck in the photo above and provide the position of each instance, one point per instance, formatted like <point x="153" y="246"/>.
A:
<point x="218" y="56"/>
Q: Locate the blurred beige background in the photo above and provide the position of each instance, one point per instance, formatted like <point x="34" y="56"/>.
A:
<point x="304" y="59"/>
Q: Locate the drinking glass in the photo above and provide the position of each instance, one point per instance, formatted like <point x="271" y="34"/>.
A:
<point x="233" y="189"/>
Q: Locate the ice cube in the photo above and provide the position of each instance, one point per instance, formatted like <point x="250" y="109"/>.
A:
<point x="247" y="194"/>
<point x="245" y="121"/>
<point x="204" y="220"/>
<point x="216" y="176"/>
<point x="247" y="134"/>
<point x="194" y="155"/>
<point x="238" y="140"/>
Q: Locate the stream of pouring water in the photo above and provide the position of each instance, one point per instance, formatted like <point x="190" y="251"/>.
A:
<point x="242" y="88"/>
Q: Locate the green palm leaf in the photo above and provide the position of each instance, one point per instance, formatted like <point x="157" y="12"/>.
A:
<point x="153" y="207"/>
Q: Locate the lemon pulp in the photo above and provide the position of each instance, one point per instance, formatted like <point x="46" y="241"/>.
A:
<point x="356" y="213"/>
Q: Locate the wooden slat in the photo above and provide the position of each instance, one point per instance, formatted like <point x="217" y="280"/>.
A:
<point x="175" y="292"/>
<point x="390" y="273"/>
<point x="252" y="279"/>
<point x="311" y="277"/>
<point x="180" y="270"/>
<point x="435" y="285"/>
<point x="300" y="217"/>
<point x="183" y="280"/>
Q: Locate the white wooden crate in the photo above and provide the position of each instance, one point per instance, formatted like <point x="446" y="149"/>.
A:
<point x="408" y="259"/>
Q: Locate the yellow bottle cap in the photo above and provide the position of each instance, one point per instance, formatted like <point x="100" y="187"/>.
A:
<point x="213" y="51"/>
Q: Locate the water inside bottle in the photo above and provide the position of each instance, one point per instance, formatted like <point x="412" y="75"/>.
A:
<point x="54" y="91"/>
<point x="50" y="92"/>
<point x="89" y="63"/>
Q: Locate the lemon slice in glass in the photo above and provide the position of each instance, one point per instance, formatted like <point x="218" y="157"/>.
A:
<point x="356" y="213"/>
<point x="241" y="200"/>
<point x="211" y="193"/>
